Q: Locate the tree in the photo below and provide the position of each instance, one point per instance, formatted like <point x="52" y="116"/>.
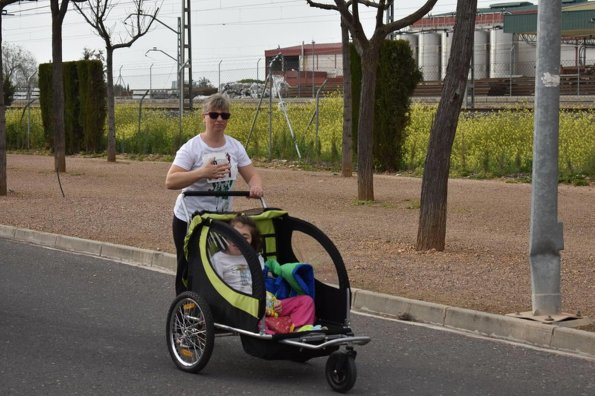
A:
<point x="369" y="52"/>
<point x="396" y="79"/>
<point x="431" y="233"/>
<point x="18" y="64"/>
<point x="96" y="15"/>
<point x="3" y="180"/>
<point x="58" y="13"/>
<point x="346" y="160"/>
<point x="203" y="82"/>
<point x="89" y="54"/>
<point x="9" y="90"/>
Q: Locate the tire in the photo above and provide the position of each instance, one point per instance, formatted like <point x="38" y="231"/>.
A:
<point x="340" y="371"/>
<point x="190" y="332"/>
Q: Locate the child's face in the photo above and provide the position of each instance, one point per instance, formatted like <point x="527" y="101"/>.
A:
<point x="244" y="231"/>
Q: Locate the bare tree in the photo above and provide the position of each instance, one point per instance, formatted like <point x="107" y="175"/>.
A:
<point x="431" y="233"/>
<point x="3" y="179"/>
<point x="18" y="64"/>
<point x="369" y="51"/>
<point x="96" y="15"/>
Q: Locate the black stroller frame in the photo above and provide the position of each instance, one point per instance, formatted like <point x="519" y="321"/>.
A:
<point x="211" y="307"/>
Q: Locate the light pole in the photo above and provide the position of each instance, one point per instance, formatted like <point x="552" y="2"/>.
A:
<point x="180" y="49"/>
<point x="151" y="81"/>
<point x="257" y="62"/>
<point x="29" y="107"/>
<point x="180" y="83"/>
<point x="219" y="72"/>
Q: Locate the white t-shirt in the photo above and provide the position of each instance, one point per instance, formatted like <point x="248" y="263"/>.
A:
<point x="193" y="154"/>
<point x="234" y="270"/>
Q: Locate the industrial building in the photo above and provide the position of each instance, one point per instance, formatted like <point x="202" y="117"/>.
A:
<point x="504" y="54"/>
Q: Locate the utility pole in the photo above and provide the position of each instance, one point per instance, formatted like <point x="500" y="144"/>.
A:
<point x="546" y="239"/>
<point x="390" y="17"/>
<point x="186" y="47"/>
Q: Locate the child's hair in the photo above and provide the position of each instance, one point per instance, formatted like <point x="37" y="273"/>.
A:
<point x="247" y="221"/>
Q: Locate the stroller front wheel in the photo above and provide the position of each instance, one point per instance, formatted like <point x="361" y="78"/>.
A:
<point x="190" y="332"/>
<point x="340" y="371"/>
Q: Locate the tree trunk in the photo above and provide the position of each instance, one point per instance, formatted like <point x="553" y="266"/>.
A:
<point x="431" y="233"/>
<point x="111" y="122"/>
<point x="3" y="178"/>
<point x="365" y="138"/>
<point x="58" y="92"/>
<point x="347" y="155"/>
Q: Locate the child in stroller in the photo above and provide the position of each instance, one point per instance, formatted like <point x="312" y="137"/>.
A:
<point x="283" y="315"/>
<point x="212" y="306"/>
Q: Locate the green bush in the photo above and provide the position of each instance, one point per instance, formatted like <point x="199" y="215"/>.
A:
<point x="396" y="80"/>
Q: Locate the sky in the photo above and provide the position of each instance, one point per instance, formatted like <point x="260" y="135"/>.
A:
<point x="229" y="37"/>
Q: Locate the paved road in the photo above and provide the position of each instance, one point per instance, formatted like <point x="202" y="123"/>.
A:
<point x="71" y="324"/>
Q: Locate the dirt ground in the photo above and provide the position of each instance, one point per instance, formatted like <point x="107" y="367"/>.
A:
<point x="485" y="265"/>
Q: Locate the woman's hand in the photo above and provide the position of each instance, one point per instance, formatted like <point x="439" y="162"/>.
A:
<point x="212" y="170"/>
<point x="256" y="191"/>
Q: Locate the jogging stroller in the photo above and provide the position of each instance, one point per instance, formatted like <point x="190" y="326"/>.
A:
<point x="211" y="307"/>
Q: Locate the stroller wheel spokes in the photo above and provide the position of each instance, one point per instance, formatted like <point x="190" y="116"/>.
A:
<point x="190" y="332"/>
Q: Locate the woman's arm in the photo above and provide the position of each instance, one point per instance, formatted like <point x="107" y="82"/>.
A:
<point x="178" y="178"/>
<point x="251" y="176"/>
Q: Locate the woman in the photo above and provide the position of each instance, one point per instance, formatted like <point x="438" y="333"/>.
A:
<point x="210" y="161"/>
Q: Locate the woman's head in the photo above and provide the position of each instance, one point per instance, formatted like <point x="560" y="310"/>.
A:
<point x="215" y="111"/>
<point x="247" y="228"/>
<point x="216" y="102"/>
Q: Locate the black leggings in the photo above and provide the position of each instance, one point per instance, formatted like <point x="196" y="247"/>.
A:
<point x="179" y="228"/>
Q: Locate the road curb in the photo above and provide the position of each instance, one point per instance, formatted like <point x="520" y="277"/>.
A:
<point x="483" y="323"/>
<point x="487" y="324"/>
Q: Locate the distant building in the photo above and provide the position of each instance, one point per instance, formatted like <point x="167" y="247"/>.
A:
<point x="307" y="66"/>
<point x="505" y="46"/>
<point x="505" y="40"/>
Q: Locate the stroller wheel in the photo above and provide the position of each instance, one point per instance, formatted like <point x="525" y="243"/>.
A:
<point x="340" y="371"/>
<point x="190" y="332"/>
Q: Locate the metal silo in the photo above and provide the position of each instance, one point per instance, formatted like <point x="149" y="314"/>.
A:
<point x="480" y="54"/>
<point x="446" y="38"/>
<point x="500" y="53"/>
<point x="412" y="40"/>
<point x="524" y="59"/>
<point x="429" y="56"/>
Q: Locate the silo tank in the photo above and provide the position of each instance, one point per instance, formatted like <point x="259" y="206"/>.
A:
<point x="500" y="53"/>
<point x="480" y="54"/>
<point x="445" y="52"/>
<point x="412" y="40"/>
<point x="429" y="56"/>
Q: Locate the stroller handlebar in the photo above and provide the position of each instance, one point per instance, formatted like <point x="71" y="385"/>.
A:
<point x="216" y="193"/>
<point x="192" y="193"/>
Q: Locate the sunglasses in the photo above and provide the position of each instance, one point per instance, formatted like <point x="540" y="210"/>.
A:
<point x="213" y="115"/>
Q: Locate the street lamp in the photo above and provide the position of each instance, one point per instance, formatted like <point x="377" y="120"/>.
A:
<point x="178" y="33"/>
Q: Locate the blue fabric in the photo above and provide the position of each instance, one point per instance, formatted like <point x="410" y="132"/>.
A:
<point x="291" y="279"/>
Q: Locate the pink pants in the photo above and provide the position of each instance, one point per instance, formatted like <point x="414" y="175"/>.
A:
<point x="299" y="308"/>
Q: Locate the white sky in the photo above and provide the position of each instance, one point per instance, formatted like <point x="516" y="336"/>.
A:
<point x="228" y="36"/>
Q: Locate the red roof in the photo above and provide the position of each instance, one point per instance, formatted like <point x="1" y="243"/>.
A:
<point x="308" y="48"/>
